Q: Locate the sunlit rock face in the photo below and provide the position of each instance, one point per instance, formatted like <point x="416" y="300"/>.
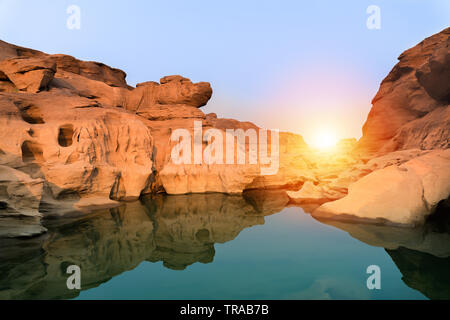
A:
<point x="313" y="193"/>
<point x="404" y="194"/>
<point x="177" y="230"/>
<point x="407" y="135"/>
<point x="78" y="152"/>
<point x="74" y="136"/>
<point x="173" y="97"/>
<point x="411" y="108"/>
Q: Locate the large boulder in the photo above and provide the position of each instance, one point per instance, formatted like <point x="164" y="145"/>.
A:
<point x="93" y="140"/>
<point x="20" y="195"/>
<point x="310" y="193"/>
<point x="85" y="154"/>
<point x="173" y="97"/>
<point x="91" y="70"/>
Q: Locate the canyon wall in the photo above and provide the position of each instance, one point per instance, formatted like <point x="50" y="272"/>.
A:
<point x="74" y="136"/>
<point x="407" y="133"/>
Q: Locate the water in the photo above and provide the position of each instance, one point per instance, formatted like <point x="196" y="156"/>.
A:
<point x="222" y="247"/>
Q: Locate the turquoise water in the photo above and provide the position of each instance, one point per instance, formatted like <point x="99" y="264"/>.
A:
<point x="291" y="256"/>
<point x="217" y="247"/>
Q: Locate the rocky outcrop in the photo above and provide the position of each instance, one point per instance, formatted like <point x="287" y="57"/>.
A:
<point x="74" y="136"/>
<point x="176" y="230"/>
<point x="313" y="193"/>
<point x="81" y="153"/>
<point x="404" y="194"/>
<point x="19" y="193"/>
<point x="28" y="74"/>
<point x="411" y="108"/>
<point x="410" y="116"/>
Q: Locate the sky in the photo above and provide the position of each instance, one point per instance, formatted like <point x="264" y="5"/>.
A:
<point x="299" y="66"/>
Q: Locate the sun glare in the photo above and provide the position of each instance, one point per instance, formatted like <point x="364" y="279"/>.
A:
<point x="325" y="140"/>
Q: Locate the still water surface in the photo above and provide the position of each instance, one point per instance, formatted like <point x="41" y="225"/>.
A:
<point x="222" y="247"/>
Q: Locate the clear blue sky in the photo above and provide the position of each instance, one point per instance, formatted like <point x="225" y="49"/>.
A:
<point x="292" y="65"/>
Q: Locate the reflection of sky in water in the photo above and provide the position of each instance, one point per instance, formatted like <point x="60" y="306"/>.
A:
<point x="291" y="256"/>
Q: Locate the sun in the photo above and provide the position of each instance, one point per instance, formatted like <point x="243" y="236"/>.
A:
<point x="325" y="140"/>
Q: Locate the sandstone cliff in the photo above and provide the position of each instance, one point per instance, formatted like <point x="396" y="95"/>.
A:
<point x="75" y="136"/>
<point x="411" y="108"/>
<point x="407" y="132"/>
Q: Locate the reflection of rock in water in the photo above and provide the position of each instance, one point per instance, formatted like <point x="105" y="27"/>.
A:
<point x="423" y="272"/>
<point x="178" y="230"/>
<point x="21" y="266"/>
<point x="187" y="226"/>
<point x="432" y="238"/>
<point x="421" y="254"/>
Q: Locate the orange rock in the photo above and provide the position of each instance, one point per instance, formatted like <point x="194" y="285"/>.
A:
<point x="413" y="96"/>
<point x="29" y="74"/>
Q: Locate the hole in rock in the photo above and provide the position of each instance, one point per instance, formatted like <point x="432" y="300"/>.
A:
<point x="31" y="114"/>
<point x="65" y="135"/>
<point x="3" y="205"/>
<point x="31" y="152"/>
<point x="439" y="220"/>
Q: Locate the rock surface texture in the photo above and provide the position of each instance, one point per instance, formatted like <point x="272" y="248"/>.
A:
<point x="403" y="194"/>
<point x="75" y="136"/>
<point x="408" y="130"/>
<point x="411" y="108"/>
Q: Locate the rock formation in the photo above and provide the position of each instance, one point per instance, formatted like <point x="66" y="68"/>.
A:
<point x="410" y="115"/>
<point x="403" y="194"/>
<point x="75" y="136"/>
<point x="411" y="108"/>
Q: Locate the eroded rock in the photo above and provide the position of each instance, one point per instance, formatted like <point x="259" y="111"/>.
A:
<point x="404" y="194"/>
<point x="29" y="74"/>
<point x="412" y="99"/>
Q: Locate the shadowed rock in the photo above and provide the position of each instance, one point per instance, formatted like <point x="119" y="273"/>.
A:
<point x="423" y="272"/>
<point x="411" y="108"/>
